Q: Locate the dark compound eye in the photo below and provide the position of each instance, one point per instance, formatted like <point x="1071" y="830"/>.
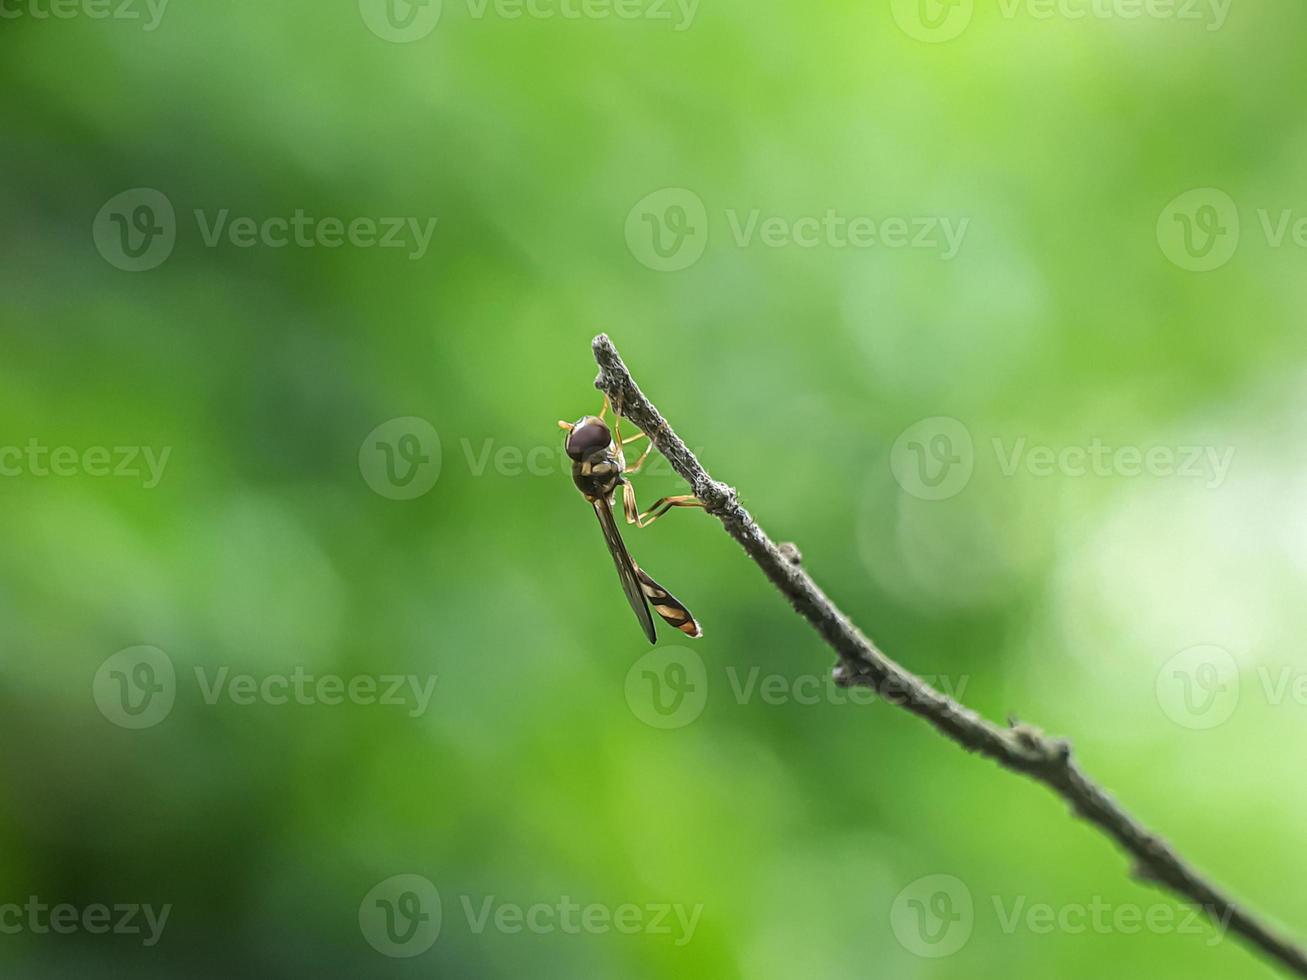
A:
<point x="588" y="437"/>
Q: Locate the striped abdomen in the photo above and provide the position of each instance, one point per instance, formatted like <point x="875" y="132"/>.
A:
<point x="667" y="605"/>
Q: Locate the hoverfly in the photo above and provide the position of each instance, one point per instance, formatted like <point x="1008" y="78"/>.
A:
<point x="598" y="469"/>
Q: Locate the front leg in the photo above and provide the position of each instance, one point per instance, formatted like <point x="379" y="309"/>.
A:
<point x="635" y="467"/>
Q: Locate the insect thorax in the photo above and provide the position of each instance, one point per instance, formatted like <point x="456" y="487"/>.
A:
<point x="597" y="475"/>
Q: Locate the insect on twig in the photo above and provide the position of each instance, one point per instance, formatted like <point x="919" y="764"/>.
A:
<point x="598" y="469"/>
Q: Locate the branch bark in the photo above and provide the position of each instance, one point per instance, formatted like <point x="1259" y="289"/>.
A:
<point x="1020" y="748"/>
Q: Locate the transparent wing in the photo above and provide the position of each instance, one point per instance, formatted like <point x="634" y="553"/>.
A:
<point x="625" y="568"/>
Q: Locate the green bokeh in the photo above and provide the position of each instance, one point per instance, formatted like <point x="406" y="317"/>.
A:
<point x="1069" y="314"/>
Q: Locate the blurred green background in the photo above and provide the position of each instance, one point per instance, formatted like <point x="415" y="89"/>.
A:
<point x="686" y="178"/>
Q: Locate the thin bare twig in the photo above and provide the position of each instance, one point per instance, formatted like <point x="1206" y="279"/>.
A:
<point x="1018" y="747"/>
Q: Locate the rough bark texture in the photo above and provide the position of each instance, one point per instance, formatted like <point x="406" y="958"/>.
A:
<point x="1018" y="747"/>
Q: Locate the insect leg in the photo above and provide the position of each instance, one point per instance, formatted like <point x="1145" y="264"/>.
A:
<point x="619" y="441"/>
<point x="629" y="506"/>
<point x="660" y="507"/>
<point x="635" y="467"/>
